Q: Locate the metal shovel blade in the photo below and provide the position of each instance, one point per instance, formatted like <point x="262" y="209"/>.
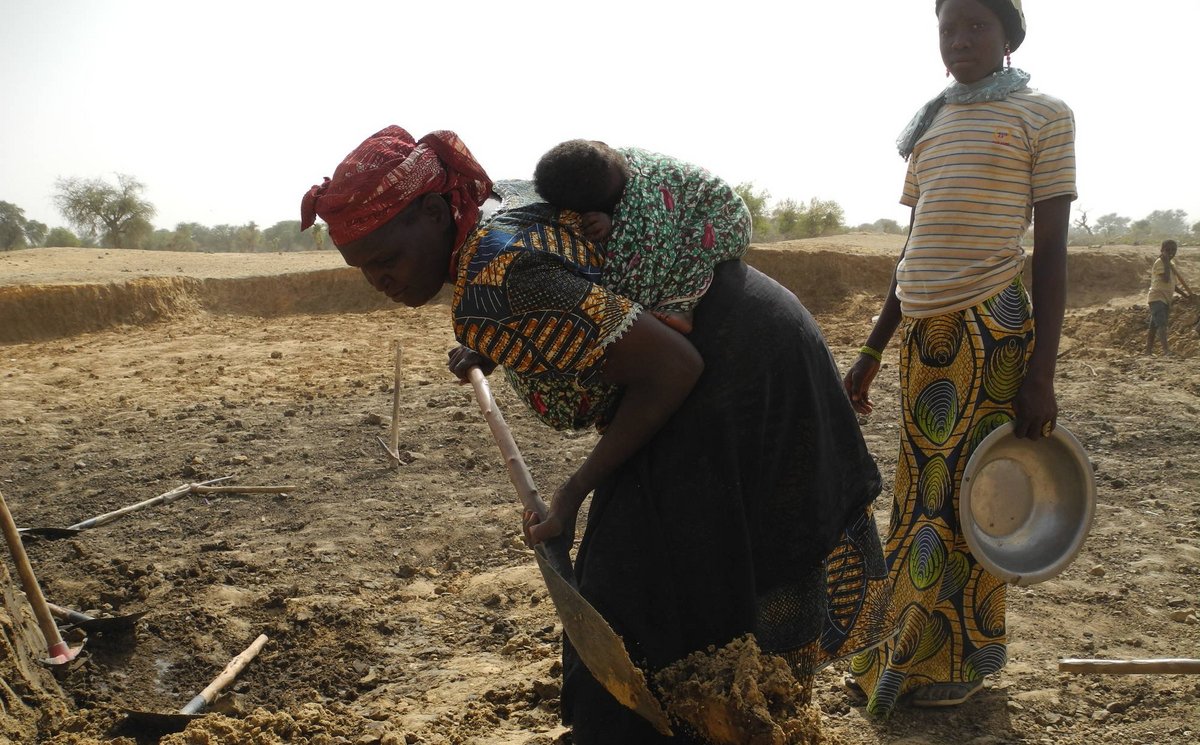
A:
<point x="94" y="624"/>
<point x="175" y="721"/>
<point x="162" y="722"/>
<point x="50" y="533"/>
<point x="110" y="624"/>
<point x="156" y="721"/>
<point x="601" y="650"/>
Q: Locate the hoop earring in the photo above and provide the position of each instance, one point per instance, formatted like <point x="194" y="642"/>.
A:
<point x="1007" y="55"/>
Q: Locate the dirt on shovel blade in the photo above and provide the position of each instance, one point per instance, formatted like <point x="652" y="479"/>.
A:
<point x="737" y="695"/>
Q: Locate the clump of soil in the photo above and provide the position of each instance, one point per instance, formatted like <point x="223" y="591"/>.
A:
<point x="737" y="695"/>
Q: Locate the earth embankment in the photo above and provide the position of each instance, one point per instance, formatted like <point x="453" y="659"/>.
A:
<point x="51" y="293"/>
<point x="824" y="271"/>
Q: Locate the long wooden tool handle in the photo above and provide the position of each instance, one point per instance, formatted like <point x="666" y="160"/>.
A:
<point x="66" y="614"/>
<point x="556" y="551"/>
<point x="1168" y="666"/>
<point x="518" y="473"/>
<point x="164" y="498"/>
<point x="108" y="517"/>
<point x="199" y="489"/>
<point x="235" y="666"/>
<point x="33" y="591"/>
<point x="395" y="434"/>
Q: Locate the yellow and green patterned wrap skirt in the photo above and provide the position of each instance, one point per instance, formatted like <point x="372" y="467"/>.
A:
<point x="959" y="375"/>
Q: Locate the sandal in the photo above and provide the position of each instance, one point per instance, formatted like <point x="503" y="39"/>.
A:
<point x="937" y="695"/>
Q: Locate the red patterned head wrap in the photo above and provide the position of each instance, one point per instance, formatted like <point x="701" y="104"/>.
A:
<point x="386" y="173"/>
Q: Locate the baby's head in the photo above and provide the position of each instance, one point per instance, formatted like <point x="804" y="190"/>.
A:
<point x="581" y="175"/>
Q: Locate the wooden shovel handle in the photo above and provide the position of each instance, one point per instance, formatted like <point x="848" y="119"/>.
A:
<point x="1168" y="666"/>
<point x="394" y="439"/>
<point x="556" y="551"/>
<point x="200" y="489"/>
<point x="235" y="666"/>
<point x="164" y="498"/>
<point x="518" y="473"/>
<point x="66" y="614"/>
<point x="29" y="583"/>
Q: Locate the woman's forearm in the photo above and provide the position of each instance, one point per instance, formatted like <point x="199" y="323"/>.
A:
<point x="643" y="410"/>
<point x="890" y="314"/>
<point x="1050" y="224"/>
<point x="888" y="321"/>
<point x="657" y="367"/>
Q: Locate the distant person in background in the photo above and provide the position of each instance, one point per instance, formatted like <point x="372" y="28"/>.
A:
<point x="664" y="224"/>
<point x="1164" y="283"/>
<point x="983" y="157"/>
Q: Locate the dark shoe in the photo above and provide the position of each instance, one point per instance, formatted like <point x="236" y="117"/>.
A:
<point x="936" y="695"/>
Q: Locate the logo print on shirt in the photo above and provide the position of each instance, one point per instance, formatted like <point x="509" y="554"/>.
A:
<point x="1002" y="138"/>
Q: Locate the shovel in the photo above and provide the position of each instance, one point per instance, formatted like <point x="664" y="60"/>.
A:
<point x="93" y="624"/>
<point x="58" y="650"/>
<point x="107" y="517"/>
<point x="597" y="644"/>
<point x="176" y="721"/>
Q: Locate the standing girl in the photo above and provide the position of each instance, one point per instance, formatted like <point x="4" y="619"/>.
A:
<point x="983" y="157"/>
<point x="1164" y="283"/>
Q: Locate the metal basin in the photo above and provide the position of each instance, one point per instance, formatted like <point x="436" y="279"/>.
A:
<point x="1026" y="507"/>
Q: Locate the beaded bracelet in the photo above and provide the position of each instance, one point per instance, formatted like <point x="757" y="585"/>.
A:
<point x="874" y="354"/>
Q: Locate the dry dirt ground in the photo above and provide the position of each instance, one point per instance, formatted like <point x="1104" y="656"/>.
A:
<point x="400" y="603"/>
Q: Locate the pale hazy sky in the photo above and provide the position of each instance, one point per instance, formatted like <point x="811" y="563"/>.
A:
<point x="229" y="111"/>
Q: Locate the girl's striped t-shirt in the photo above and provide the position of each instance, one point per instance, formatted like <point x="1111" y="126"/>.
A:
<point x="973" y="179"/>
